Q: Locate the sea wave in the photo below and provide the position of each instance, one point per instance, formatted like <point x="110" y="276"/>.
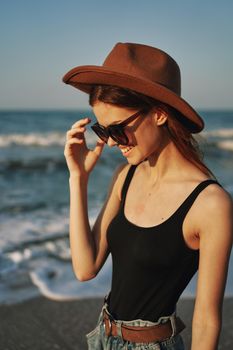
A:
<point x="44" y="267"/>
<point x="45" y="139"/>
<point x="35" y="230"/>
<point x="56" y="138"/>
<point x="33" y="139"/>
<point x="21" y="249"/>
<point x="43" y="163"/>
<point x="50" y="163"/>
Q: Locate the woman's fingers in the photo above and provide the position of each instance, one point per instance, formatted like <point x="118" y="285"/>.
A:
<point x="74" y="130"/>
<point x="99" y="147"/>
<point x="71" y="142"/>
<point x="80" y="122"/>
<point x="78" y="130"/>
<point x="81" y="159"/>
<point x="74" y="140"/>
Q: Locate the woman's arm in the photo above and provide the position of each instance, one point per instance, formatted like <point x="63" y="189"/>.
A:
<point x="89" y="248"/>
<point x="216" y="236"/>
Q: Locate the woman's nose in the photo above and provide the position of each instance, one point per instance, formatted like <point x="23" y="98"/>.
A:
<point x="111" y="142"/>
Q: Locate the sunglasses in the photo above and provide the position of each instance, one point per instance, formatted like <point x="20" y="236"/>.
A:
<point x="115" y="131"/>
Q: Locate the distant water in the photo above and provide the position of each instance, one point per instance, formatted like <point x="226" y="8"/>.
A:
<point x="34" y="207"/>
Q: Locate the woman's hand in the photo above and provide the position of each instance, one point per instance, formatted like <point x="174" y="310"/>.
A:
<point x="81" y="160"/>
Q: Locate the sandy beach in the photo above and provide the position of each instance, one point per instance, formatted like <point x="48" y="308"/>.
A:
<point x="43" y="324"/>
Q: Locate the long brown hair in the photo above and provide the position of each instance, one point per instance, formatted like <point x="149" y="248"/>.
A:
<point x="187" y="145"/>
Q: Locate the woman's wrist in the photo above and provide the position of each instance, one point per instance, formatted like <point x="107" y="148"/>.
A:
<point x="78" y="177"/>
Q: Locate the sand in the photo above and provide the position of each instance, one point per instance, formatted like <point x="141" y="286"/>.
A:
<point x="43" y="324"/>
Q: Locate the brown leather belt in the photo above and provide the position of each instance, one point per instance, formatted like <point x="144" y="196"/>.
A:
<point x="148" y="334"/>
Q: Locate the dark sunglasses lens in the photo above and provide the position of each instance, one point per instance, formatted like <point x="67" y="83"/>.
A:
<point x="100" y="132"/>
<point x="118" y="135"/>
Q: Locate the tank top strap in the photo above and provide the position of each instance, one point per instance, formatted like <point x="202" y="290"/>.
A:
<point x="188" y="202"/>
<point x="127" y="182"/>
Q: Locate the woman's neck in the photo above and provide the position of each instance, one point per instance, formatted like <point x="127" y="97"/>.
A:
<point x="167" y="166"/>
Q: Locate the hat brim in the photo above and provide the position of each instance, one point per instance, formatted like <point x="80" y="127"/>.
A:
<point x="84" y="77"/>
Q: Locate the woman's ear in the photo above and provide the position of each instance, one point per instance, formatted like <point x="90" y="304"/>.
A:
<point x="161" y="115"/>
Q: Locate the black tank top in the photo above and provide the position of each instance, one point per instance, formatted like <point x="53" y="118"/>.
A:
<point x="152" y="265"/>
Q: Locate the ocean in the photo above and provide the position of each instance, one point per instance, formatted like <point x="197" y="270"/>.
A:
<point x="34" y="208"/>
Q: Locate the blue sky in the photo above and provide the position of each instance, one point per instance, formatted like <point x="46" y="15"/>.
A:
<point x="42" y="40"/>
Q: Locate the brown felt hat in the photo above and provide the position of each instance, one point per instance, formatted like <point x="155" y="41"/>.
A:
<point x="141" y="68"/>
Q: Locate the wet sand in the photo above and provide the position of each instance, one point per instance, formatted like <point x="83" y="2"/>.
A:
<point x="43" y="324"/>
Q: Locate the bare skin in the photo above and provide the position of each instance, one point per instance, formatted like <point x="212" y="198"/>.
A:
<point x="165" y="179"/>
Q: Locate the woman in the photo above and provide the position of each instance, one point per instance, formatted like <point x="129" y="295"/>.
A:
<point x="175" y="219"/>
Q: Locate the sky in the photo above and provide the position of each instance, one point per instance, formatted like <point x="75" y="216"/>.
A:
<point x="41" y="40"/>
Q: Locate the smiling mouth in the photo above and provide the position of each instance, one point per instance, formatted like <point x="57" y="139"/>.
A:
<point x="126" y="150"/>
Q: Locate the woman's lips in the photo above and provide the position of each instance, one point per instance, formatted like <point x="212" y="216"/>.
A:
<point x="127" y="152"/>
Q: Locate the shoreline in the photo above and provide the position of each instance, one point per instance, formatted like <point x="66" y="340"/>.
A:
<point x="45" y="324"/>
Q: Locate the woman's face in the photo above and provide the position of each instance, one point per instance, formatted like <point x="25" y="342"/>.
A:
<point x="146" y="135"/>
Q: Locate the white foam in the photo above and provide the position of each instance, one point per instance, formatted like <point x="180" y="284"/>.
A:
<point x="34" y="226"/>
<point x="36" y="139"/>
<point x="17" y="257"/>
<point x="57" y="281"/>
<point x="219" y="133"/>
<point x="228" y="145"/>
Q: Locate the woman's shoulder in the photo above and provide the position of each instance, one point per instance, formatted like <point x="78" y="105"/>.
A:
<point x="214" y="202"/>
<point x="213" y="192"/>
<point x="212" y="207"/>
<point x="216" y="195"/>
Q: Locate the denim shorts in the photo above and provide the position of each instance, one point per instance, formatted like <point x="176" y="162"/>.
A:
<point x="98" y="340"/>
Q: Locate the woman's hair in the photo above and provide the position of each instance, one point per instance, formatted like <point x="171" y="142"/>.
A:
<point x="179" y="133"/>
